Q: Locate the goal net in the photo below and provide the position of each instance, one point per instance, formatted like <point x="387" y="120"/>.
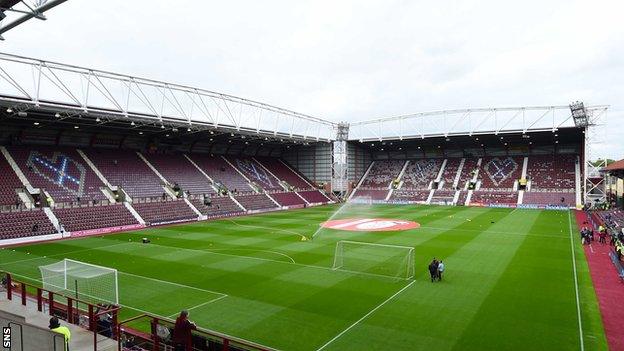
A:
<point x="84" y="281"/>
<point x="375" y="259"/>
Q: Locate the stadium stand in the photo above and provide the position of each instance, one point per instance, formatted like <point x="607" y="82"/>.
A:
<point x="93" y="217"/>
<point x="256" y="202"/>
<point x="313" y="196"/>
<point x="450" y="172"/>
<point x="9" y="182"/>
<point x="552" y="198"/>
<point x="552" y="180"/>
<point x="156" y="212"/>
<point x="552" y="172"/>
<point x="62" y="172"/>
<point x="410" y="195"/>
<point x="221" y="172"/>
<point x="494" y="197"/>
<point x="288" y="199"/>
<point x="218" y="206"/>
<point x="419" y="173"/>
<point x="126" y="169"/>
<point x="382" y="173"/>
<point x="461" y="200"/>
<point x="24" y="223"/>
<point x="443" y="196"/>
<point x="500" y="173"/>
<point x="256" y="173"/>
<point x="374" y="194"/>
<point x="177" y="169"/>
<point x="470" y="165"/>
<point x="283" y="172"/>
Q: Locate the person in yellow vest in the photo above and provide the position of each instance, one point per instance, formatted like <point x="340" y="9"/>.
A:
<point x="56" y="327"/>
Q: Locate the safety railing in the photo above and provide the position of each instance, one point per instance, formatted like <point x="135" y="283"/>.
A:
<point x="154" y="333"/>
<point x="70" y="309"/>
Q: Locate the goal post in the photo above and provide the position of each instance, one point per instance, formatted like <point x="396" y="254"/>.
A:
<point x="85" y="281"/>
<point x="374" y="259"/>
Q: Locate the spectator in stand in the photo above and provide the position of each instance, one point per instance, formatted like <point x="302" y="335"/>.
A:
<point x="183" y="332"/>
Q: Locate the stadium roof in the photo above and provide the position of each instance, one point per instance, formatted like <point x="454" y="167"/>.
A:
<point x="68" y="91"/>
<point x="15" y="12"/>
<point x="615" y="166"/>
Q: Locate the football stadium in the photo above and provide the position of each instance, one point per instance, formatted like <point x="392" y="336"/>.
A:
<point x="140" y="214"/>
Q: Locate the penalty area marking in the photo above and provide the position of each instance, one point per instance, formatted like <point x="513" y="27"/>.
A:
<point x="576" y="288"/>
<point x="366" y="315"/>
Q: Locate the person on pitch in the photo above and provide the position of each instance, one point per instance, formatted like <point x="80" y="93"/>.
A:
<point x="440" y="270"/>
<point x="433" y="269"/>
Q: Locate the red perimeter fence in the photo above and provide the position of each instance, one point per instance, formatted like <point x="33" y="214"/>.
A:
<point x="145" y="332"/>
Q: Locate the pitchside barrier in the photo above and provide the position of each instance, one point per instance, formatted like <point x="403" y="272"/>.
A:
<point x="151" y="332"/>
<point x="143" y="332"/>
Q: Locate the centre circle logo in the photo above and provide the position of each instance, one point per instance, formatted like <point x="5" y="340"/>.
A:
<point x="370" y="224"/>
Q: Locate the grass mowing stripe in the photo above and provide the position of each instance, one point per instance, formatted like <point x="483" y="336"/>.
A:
<point x="279" y="303"/>
<point x="201" y="304"/>
<point x="366" y="315"/>
<point x="62" y="253"/>
<point x="576" y="288"/>
<point x="171" y="283"/>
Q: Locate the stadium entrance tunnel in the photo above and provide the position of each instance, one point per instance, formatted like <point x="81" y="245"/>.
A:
<point x="370" y="224"/>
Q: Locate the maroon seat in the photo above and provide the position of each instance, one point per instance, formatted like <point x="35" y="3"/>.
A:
<point x="219" y="205"/>
<point x="221" y="172"/>
<point x="382" y="173"/>
<point x="256" y="202"/>
<point x="177" y="169"/>
<point x="313" y="196"/>
<point x="494" y="197"/>
<point x="450" y="172"/>
<point x="9" y="182"/>
<point x="419" y="173"/>
<point x="256" y="173"/>
<point x="94" y="217"/>
<point x="155" y="212"/>
<point x="410" y="195"/>
<point x="24" y="223"/>
<point x="62" y="172"/>
<point x="283" y="172"/>
<point x="287" y="199"/>
<point x="126" y="169"/>
<point x="500" y="172"/>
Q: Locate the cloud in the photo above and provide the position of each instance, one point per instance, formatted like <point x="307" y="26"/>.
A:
<point x="352" y="60"/>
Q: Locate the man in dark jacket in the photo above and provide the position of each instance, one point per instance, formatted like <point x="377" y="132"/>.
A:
<point x="182" y="332"/>
<point x="433" y="269"/>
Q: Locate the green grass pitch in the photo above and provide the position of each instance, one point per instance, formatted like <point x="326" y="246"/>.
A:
<point x="509" y="282"/>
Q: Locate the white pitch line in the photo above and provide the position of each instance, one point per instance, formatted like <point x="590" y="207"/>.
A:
<point x="63" y="253"/>
<point x="576" y="288"/>
<point x="172" y="283"/>
<point x="365" y="316"/>
<point x="201" y="304"/>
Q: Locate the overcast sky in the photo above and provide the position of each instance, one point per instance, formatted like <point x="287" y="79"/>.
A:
<point x="353" y="60"/>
